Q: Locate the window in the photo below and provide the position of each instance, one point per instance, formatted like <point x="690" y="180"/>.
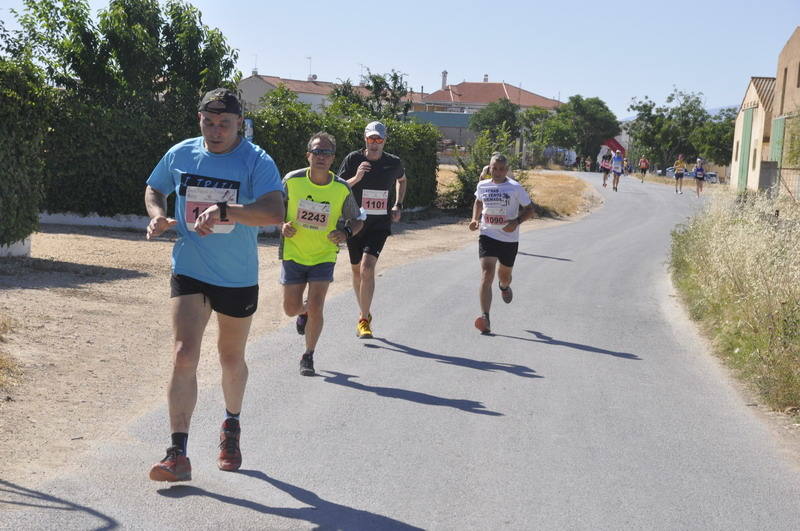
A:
<point x="753" y="166"/>
<point x="736" y="153"/>
<point x="783" y="87"/>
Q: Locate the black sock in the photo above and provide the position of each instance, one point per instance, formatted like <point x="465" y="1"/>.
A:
<point x="234" y="416"/>
<point x="309" y="353"/>
<point x="180" y="440"/>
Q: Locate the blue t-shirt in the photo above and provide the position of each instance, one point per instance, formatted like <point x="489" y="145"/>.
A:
<point x="229" y="257"/>
<point x="616" y="163"/>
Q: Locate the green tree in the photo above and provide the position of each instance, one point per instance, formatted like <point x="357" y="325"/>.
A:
<point x="582" y="124"/>
<point x="133" y="79"/>
<point x="469" y="167"/>
<point x="496" y="116"/>
<point x="713" y="139"/>
<point x="665" y="131"/>
<point x="382" y="96"/>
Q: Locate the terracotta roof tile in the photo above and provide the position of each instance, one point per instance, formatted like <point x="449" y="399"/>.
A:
<point x="486" y="92"/>
<point x="322" y="87"/>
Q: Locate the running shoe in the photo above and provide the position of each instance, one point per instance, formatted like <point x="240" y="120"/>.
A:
<point x="307" y="365"/>
<point x="507" y="294"/>
<point x="174" y="467"/>
<point x="300" y="323"/>
<point x="363" y="328"/>
<point x="230" y="457"/>
<point x="482" y="324"/>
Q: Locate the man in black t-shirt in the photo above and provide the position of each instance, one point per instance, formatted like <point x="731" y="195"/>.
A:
<point x="377" y="180"/>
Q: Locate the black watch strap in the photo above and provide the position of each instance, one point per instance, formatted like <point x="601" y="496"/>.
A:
<point x="347" y="230"/>
<point x="223" y="211"/>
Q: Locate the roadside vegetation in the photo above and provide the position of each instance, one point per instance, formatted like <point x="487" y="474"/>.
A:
<point x="554" y="195"/>
<point x="8" y="369"/>
<point x="737" y="266"/>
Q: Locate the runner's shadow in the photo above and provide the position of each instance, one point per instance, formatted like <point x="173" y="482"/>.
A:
<point x="38" y="273"/>
<point x="545" y="256"/>
<point x="322" y="513"/>
<point x="547" y="340"/>
<point x="490" y="366"/>
<point x="470" y="406"/>
<point x="40" y="500"/>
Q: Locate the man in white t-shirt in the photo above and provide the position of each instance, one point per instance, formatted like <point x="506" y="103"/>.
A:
<point x="501" y="205"/>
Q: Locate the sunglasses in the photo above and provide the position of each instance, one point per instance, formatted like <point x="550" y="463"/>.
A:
<point x="371" y="140"/>
<point x="322" y="152"/>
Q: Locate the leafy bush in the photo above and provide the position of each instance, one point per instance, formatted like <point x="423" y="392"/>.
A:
<point x="284" y="125"/>
<point x="23" y="119"/>
<point x="470" y="166"/>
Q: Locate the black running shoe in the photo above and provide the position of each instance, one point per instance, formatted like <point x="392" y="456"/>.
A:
<point x="307" y="365"/>
<point x="301" y="322"/>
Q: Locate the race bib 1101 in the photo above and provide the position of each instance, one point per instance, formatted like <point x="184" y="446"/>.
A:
<point x="199" y="198"/>
<point x="375" y="202"/>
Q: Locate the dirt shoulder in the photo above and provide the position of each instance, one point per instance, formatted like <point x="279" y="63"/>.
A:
<point x="91" y="332"/>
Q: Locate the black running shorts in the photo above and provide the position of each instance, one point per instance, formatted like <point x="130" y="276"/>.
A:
<point x="367" y="241"/>
<point x="505" y="252"/>
<point x="235" y="302"/>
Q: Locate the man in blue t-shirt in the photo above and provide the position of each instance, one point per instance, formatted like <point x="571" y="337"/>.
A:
<point x="225" y="188"/>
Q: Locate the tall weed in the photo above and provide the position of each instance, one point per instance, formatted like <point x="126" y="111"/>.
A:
<point x="737" y="264"/>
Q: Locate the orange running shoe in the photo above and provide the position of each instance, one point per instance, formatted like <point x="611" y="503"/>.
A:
<point x="230" y="457"/>
<point x="174" y="467"/>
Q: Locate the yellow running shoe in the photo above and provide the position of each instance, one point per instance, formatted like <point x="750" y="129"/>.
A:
<point x="363" y="330"/>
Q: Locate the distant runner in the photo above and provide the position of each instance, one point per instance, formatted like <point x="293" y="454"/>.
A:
<point x="644" y="164"/>
<point x="680" y="170"/>
<point x="699" y="176"/>
<point x="617" y="168"/>
<point x="501" y="205"/>
<point x="373" y="175"/>
<point x="605" y="167"/>
<point x="321" y="213"/>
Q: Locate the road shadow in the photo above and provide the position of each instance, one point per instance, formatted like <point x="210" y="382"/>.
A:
<point x="40" y="500"/>
<point x="469" y="406"/>
<point x="322" y="513"/>
<point x="545" y="256"/>
<point x="548" y="340"/>
<point x="37" y="273"/>
<point x="489" y="366"/>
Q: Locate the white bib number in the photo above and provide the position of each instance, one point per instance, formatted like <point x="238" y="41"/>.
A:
<point x="312" y="215"/>
<point x="199" y="198"/>
<point x="375" y="202"/>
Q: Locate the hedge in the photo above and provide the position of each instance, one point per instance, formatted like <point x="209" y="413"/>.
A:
<point x="23" y="119"/>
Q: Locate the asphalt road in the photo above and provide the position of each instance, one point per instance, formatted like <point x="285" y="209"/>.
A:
<point x="593" y="406"/>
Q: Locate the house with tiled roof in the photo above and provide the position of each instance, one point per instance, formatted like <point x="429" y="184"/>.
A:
<point x="311" y="91"/>
<point x="470" y="97"/>
<point x="751" y="134"/>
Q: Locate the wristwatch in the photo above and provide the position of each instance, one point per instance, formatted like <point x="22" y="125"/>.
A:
<point x="347" y="230"/>
<point x="399" y="205"/>
<point x="223" y="211"/>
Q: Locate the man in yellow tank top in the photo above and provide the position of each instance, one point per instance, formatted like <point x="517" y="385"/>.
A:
<point x="321" y="214"/>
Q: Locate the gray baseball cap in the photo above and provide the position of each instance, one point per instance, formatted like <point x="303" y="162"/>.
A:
<point x="375" y="128"/>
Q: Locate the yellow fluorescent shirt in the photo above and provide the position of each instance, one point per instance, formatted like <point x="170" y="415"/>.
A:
<point x="314" y="210"/>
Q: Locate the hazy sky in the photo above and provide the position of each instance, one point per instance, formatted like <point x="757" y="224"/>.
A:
<point x="615" y="50"/>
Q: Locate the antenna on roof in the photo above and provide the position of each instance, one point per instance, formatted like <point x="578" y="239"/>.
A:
<point x="255" y="64"/>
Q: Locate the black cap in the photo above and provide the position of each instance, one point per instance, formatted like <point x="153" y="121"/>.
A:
<point x="220" y="100"/>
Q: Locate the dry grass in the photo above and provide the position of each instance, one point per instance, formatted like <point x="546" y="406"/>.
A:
<point x="737" y="265"/>
<point x="8" y="369"/>
<point x="555" y="194"/>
